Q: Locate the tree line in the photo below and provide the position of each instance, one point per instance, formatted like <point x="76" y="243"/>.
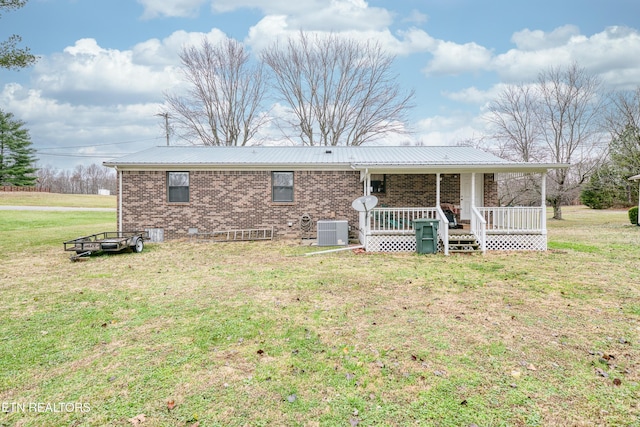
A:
<point x="609" y="186"/>
<point x="80" y="180"/>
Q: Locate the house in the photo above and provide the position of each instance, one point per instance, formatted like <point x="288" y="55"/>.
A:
<point x="181" y="190"/>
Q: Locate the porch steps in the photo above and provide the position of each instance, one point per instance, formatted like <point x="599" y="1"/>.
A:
<point x="463" y="243"/>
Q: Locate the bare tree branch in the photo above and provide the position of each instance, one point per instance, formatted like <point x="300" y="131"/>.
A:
<point x="223" y="104"/>
<point x="569" y="110"/>
<point x="339" y="91"/>
<point x="553" y="120"/>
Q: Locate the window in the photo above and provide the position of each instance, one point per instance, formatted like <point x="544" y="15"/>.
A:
<point x="282" y="186"/>
<point x="178" y="187"/>
<point x="378" y="183"/>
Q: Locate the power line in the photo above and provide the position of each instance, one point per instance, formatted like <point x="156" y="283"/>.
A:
<point x="83" y="155"/>
<point x="100" y="145"/>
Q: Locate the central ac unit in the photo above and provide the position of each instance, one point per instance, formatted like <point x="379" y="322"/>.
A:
<point x="333" y="233"/>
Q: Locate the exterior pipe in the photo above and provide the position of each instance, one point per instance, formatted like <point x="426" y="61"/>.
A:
<point x="335" y="250"/>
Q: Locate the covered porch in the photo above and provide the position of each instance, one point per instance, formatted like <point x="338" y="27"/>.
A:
<point x="470" y="194"/>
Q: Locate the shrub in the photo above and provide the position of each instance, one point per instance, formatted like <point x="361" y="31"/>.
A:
<point x="633" y="215"/>
<point x="596" y="199"/>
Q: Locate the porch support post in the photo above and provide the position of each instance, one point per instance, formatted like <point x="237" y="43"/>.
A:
<point x="367" y="183"/>
<point x="438" y="178"/>
<point x="364" y="217"/>
<point x="543" y="203"/>
<point x="473" y="190"/>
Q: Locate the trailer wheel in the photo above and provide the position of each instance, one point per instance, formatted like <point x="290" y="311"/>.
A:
<point x="139" y="245"/>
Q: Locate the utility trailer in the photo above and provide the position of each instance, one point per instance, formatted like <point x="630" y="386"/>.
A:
<point x="107" y="241"/>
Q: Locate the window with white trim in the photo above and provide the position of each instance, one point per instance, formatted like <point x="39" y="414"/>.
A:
<point x="378" y="183"/>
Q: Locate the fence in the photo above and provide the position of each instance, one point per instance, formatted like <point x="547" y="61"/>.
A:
<point x="10" y="188"/>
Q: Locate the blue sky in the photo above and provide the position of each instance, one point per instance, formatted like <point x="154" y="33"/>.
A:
<point x="105" y="64"/>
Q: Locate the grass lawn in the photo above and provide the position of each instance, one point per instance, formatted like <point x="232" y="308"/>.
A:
<point x="56" y="199"/>
<point x="258" y="334"/>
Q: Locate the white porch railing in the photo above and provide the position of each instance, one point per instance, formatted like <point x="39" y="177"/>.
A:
<point x="397" y="220"/>
<point x="495" y="228"/>
<point x="513" y="220"/>
<point x="479" y="228"/>
<point x="443" y="230"/>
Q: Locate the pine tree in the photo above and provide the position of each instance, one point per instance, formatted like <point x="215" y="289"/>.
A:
<point x="13" y="57"/>
<point x="16" y="154"/>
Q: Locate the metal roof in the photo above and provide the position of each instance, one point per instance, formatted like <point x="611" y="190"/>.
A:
<point x="319" y="157"/>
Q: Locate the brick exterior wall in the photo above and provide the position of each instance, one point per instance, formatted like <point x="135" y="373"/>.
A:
<point x="490" y="190"/>
<point x="223" y="200"/>
<point x="420" y="190"/>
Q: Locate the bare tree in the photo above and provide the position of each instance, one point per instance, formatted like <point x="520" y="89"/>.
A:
<point x="222" y="106"/>
<point x="339" y="91"/>
<point x="517" y="129"/>
<point x="570" y="108"/>
<point x="553" y="120"/>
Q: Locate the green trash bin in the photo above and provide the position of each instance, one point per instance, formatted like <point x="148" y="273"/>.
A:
<point x="426" y="235"/>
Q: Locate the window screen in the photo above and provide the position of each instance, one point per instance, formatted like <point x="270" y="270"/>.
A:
<point x="178" y="186"/>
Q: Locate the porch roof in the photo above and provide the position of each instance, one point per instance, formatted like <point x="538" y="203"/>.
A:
<point x="375" y="159"/>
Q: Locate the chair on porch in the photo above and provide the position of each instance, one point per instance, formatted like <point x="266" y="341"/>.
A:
<point x="449" y="211"/>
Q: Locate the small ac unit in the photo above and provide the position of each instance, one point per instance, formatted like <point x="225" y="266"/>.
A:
<point x="333" y="233"/>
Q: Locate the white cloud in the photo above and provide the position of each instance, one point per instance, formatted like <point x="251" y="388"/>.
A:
<point x="315" y="15"/>
<point x="275" y="28"/>
<point x="91" y="74"/>
<point x="536" y="40"/>
<point x="52" y="123"/>
<point x="339" y="15"/>
<point x="416" y="17"/>
<point x="414" y="40"/>
<point x="155" y="52"/>
<point x="449" y="130"/>
<point x="614" y="54"/>
<point x="170" y="8"/>
<point x="452" y="58"/>
<point x="472" y="95"/>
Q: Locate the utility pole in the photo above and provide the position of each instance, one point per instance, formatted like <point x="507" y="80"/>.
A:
<point x="166" y="124"/>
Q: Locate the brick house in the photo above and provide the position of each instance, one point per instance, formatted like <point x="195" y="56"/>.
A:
<point x="180" y="190"/>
